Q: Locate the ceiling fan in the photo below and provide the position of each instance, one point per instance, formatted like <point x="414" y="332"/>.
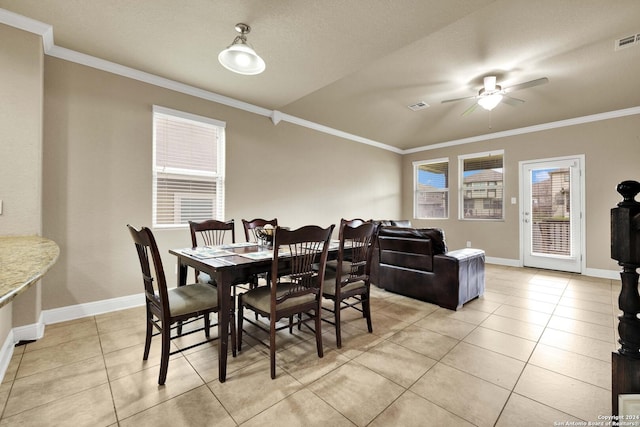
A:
<point x="492" y="94"/>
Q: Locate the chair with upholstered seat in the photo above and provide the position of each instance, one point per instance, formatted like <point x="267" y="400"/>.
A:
<point x="296" y="287"/>
<point x="252" y="237"/>
<point x="353" y="223"/>
<point x="166" y="307"/>
<point x="347" y="286"/>
<point x="212" y="233"/>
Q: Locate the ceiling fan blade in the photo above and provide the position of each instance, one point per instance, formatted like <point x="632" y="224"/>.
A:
<point x="470" y="110"/>
<point x="457" y="99"/>
<point x="525" y="85"/>
<point x="512" y="101"/>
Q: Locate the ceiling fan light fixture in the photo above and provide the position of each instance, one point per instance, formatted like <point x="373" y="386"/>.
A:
<point x="239" y="56"/>
<point x="489" y="102"/>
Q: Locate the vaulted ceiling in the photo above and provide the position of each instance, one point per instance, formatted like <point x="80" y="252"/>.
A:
<point x="356" y="65"/>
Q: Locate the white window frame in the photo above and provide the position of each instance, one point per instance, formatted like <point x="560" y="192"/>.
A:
<point x="218" y="177"/>
<point x="478" y="189"/>
<point x="416" y="191"/>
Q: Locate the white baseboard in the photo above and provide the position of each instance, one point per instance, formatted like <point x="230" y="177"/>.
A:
<point x="48" y="317"/>
<point x="604" y="274"/>
<point x="31" y="332"/>
<point x="79" y="311"/>
<point x="6" y="353"/>
<point x="503" y="261"/>
<point x="591" y="272"/>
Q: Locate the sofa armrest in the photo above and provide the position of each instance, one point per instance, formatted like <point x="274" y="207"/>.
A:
<point x="464" y="269"/>
<point x="462" y="254"/>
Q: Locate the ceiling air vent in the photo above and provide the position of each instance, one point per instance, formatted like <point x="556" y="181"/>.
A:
<point x="628" y="41"/>
<point x="418" y="106"/>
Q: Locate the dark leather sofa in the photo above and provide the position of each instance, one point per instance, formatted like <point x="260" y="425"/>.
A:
<point x="416" y="263"/>
<point x="375" y="257"/>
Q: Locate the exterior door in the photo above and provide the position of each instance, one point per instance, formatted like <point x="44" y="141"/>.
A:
<point x="551" y="215"/>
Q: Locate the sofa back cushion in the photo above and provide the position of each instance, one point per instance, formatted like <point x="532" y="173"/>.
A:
<point x="393" y="222"/>
<point x="409" y="247"/>
<point x="438" y="242"/>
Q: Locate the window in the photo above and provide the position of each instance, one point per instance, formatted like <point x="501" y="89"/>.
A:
<point x="431" y="188"/>
<point x="188" y="168"/>
<point x="482" y="188"/>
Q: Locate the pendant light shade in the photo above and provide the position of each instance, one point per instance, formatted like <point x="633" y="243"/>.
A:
<point x="240" y="57"/>
<point x="491" y="95"/>
<point x="490" y="102"/>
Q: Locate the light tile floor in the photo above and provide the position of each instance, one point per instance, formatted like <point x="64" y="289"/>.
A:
<point x="534" y="350"/>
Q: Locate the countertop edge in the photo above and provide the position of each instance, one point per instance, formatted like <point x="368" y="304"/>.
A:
<point x="27" y="282"/>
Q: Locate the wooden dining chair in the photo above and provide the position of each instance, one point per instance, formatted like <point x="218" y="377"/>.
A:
<point x="296" y="287"/>
<point x="211" y="233"/>
<point x="175" y="306"/>
<point x="333" y="263"/>
<point x="348" y="286"/>
<point x="250" y="227"/>
<point x="251" y="236"/>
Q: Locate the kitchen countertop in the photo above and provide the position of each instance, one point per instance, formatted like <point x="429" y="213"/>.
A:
<point x="23" y="261"/>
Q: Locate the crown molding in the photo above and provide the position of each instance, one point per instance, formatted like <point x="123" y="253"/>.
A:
<point x="278" y="116"/>
<point x="27" y="24"/>
<point x="46" y="32"/>
<point x="530" y="129"/>
<point x="132" y="73"/>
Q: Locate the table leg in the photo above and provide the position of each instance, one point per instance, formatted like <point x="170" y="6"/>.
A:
<point x="182" y="281"/>
<point x="182" y="273"/>
<point x="224" y="296"/>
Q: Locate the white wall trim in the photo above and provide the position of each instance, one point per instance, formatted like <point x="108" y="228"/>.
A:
<point x="47" y="317"/>
<point x="35" y="331"/>
<point x="25" y="23"/>
<point x="530" y="129"/>
<point x="591" y="272"/>
<point x="46" y="32"/>
<point x="507" y="262"/>
<point x="6" y="353"/>
<point x="601" y="273"/>
<point x="94" y="308"/>
<point x="277" y="116"/>
<point x="121" y="70"/>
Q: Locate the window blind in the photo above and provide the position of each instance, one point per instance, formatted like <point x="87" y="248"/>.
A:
<point x="188" y="168"/>
<point x="551" y="211"/>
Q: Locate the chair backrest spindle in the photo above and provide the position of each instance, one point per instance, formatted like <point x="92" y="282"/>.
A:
<point x="211" y="232"/>
<point x="250" y="227"/>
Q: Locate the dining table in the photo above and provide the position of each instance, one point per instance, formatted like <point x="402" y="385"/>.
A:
<point x="231" y="265"/>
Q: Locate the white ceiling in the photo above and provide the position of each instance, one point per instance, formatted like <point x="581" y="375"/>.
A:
<point x="356" y="65"/>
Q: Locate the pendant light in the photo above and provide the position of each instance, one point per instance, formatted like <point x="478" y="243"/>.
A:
<point x="239" y="56"/>
<point x="491" y="95"/>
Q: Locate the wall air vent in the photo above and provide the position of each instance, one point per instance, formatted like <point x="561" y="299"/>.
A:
<point x="418" y="106"/>
<point x="628" y="41"/>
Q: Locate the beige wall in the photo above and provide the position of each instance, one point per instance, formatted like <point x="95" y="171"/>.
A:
<point x="612" y="154"/>
<point x="97" y="177"/>
<point x="21" y="68"/>
<point x="21" y="71"/>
